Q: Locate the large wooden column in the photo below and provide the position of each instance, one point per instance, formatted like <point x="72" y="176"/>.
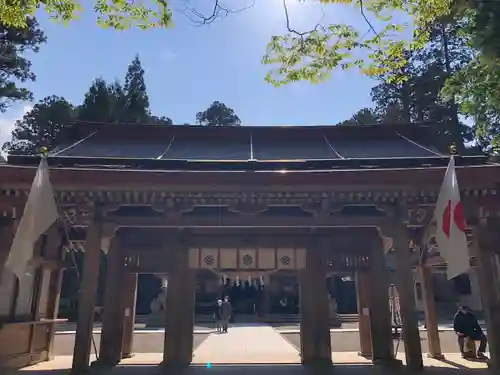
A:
<point x="379" y="313"/>
<point x="406" y="292"/>
<point x="425" y="274"/>
<point x="485" y="239"/>
<point x="110" y="350"/>
<point x="129" y="299"/>
<point x="6" y="238"/>
<point x="179" y="308"/>
<point x="55" y="252"/>
<point x="87" y="293"/>
<point x="363" y="287"/>
<point x="315" y="340"/>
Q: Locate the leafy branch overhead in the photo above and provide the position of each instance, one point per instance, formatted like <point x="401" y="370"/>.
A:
<point x="117" y="14"/>
<point x="464" y="71"/>
<point x="312" y="55"/>
<point x="298" y="54"/>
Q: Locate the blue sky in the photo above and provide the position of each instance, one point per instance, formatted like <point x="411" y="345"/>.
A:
<point x="189" y="67"/>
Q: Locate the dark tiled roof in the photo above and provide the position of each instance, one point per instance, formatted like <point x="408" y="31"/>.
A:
<point x="198" y="148"/>
<point x="254" y="144"/>
<point x="292" y="148"/>
<point x="250" y="148"/>
<point x="102" y="148"/>
<point x="394" y="146"/>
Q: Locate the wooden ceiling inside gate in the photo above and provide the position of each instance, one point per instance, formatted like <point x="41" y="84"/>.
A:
<point x="153" y="250"/>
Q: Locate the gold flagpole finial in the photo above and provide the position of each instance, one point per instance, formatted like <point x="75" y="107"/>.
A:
<point x="44" y="151"/>
<point x="452" y="149"/>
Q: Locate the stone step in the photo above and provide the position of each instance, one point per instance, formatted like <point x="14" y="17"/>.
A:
<point x="158" y="319"/>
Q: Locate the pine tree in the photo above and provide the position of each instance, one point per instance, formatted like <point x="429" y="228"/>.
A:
<point x="15" y="44"/>
<point x="136" y="108"/>
<point x="117" y="96"/>
<point x="218" y="114"/>
<point x="97" y="104"/>
<point x="47" y="124"/>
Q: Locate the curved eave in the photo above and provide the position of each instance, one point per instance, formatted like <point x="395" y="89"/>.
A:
<point x="247" y="165"/>
<point x="470" y="177"/>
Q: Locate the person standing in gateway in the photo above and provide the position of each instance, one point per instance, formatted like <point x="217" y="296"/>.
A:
<point x="226" y="311"/>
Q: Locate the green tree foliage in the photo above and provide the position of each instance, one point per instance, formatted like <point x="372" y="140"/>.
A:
<point x="15" y="68"/>
<point x="136" y="100"/>
<point x="99" y="103"/>
<point x="51" y="120"/>
<point x="117" y="14"/>
<point x="484" y="27"/>
<point x="300" y="54"/>
<point x="365" y="116"/>
<point x="476" y="88"/>
<point x="45" y="125"/>
<point x="218" y="114"/>
<point x="313" y="54"/>
<point x="162" y="120"/>
<point x="417" y="97"/>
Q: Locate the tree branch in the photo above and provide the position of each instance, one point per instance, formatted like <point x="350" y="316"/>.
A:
<point x="294" y="31"/>
<point x="218" y="11"/>
<point x="362" y="11"/>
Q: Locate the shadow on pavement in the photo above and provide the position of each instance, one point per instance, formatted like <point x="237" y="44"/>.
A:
<point x="342" y="369"/>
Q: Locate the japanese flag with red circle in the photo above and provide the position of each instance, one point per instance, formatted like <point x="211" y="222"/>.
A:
<point x="450" y="225"/>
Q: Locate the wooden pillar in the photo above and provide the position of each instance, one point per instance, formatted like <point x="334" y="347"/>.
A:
<point x="379" y="313"/>
<point x="406" y="292"/>
<point x="429" y="303"/>
<point x="179" y="309"/>
<point x="485" y="238"/>
<point x="86" y="296"/>
<point x="363" y="287"/>
<point x="315" y="340"/>
<point x="110" y="350"/>
<point x="54" y="251"/>
<point x="129" y="299"/>
<point x="6" y="238"/>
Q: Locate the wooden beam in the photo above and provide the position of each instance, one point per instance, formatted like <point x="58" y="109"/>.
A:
<point x="363" y="286"/>
<point x="314" y="312"/>
<point x="7" y="202"/>
<point x="484" y="240"/>
<point x="110" y="349"/>
<point x="484" y="176"/>
<point x="86" y="297"/>
<point x="431" y="322"/>
<point x="406" y="292"/>
<point x="129" y="298"/>
<point x="246" y="221"/>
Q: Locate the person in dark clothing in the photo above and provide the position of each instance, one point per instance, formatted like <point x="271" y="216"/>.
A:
<point x="217" y="315"/>
<point x="466" y="326"/>
<point x="226" y="311"/>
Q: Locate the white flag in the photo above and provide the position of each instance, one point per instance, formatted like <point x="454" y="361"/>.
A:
<point x="39" y="214"/>
<point x="450" y="225"/>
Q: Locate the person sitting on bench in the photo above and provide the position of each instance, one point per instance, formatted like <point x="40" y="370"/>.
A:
<point x="466" y="327"/>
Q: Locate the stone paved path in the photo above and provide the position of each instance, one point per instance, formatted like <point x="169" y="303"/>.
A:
<point x="346" y="364"/>
<point x="255" y="343"/>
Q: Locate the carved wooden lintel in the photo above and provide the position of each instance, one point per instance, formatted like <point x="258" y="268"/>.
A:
<point x="49" y="264"/>
<point x="179" y="205"/>
<point x="109" y="229"/>
<point x="321" y="207"/>
<point x="247" y="207"/>
<point x="8" y="203"/>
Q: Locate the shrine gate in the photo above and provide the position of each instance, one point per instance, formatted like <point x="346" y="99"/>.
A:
<point x="174" y="199"/>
